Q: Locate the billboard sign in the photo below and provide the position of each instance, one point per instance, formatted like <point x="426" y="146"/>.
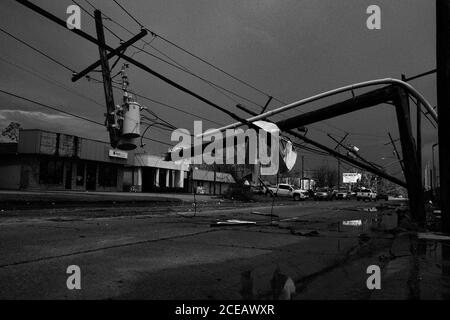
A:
<point x="351" y="177"/>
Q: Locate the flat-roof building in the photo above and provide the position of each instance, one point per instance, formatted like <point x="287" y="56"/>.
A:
<point x="43" y="160"/>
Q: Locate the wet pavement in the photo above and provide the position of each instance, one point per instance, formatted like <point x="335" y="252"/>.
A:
<point x="303" y="250"/>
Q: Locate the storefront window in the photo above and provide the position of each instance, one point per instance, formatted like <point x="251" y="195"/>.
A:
<point x="107" y="175"/>
<point x="51" y="172"/>
<point x="80" y="174"/>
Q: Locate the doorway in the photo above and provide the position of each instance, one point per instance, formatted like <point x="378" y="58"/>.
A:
<point x="68" y="182"/>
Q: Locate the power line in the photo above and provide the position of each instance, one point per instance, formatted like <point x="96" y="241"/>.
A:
<point x="68" y="113"/>
<point x="182" y="68"/>
<point x="116" y="87"/>
<point x="50" y="107"/>
<point x="173" y="63"/>
<point x="35" y="49"/>
<point x="129" y="14"/>
<point x="194" y="55"/>
<point x="41" y="76"/>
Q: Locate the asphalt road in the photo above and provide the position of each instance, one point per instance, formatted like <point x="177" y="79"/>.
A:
<point x="174" y="255"/>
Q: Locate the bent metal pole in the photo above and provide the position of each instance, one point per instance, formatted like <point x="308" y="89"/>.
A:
<point x="388" y="81"/>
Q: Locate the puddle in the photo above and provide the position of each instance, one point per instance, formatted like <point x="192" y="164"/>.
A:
<point x="371" y="209"/>
<point x="379" y="222"/>
<point x="434" y="268"/>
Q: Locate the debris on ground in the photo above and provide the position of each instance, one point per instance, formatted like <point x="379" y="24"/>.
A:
<point x="265" y="214"/>
<point x="433" y="236"/>
<point x="305" y="233"/>
<point x="232" y="222"/>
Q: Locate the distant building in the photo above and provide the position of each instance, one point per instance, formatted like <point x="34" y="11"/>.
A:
<point x="210" y="181"/>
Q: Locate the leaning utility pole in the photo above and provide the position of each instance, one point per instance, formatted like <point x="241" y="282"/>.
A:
<point x="443" y="103"/>
<point x="339" y="161"/>
<point x="114" y="134"/>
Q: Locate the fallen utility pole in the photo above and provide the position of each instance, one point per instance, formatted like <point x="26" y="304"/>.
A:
<point x="339" y="159"/>
<point x="396" y="153"/>
<point x="338" y="155"/>
<point x="400" y="99"/>
<point x="339" y="144"/>
<point x="357" y="103"/>
<point x="348" y="159"/>
<point x="443" y="102"/>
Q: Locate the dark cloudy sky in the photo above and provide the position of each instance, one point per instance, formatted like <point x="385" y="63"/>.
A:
<point x="290" y="49"/>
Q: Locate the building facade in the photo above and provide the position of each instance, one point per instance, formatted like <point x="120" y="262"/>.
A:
<point x="151" y="173"/>
<point x="43" y="160"/>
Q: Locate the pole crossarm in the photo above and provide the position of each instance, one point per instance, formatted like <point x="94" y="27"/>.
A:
<point x="111" y="54"/>
<point x="136" y="63"/>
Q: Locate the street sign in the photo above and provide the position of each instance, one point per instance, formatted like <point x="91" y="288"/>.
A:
<point x="118" y="154"/>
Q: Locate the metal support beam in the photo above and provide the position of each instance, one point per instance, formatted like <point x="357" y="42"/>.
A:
<point x="338" y="155"/>
<point x="354" y="162"/>
<point x="111" y="54"/>
<point x="443" y="102"/>
<point x="360" y="102"/>
<point x="412" y="170"/>
<point x="114" y="134"/>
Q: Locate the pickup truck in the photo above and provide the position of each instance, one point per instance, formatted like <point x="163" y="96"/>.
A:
<point x="287" y="190"/>
<point x="280" y="190"/>
<point x="366" y="194"/>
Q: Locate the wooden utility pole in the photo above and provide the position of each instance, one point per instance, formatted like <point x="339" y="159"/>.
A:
<point x="339" y="161"/>
<point x="114" y="134"/>
<point x="443" y="103"/>
<point x="396" y="153"/>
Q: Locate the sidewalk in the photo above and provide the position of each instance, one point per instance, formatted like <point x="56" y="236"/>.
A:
<point x="13" y="200"/>
<point x="419" y="269"/>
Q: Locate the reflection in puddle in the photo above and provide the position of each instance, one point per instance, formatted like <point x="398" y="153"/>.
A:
<point x="371" y="209"/>
<point x="434" y="268"/>
<point x="445" y="269"/>
<point x="352" y="223"/>
<point x="382" y="222"/>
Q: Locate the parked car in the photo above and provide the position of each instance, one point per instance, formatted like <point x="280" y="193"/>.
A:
<point x="281" y="190"/>
<point x="382" y="196"/>
<point x="323" y="194"/>
<point x="344" y="195"/>
<point x="299" y="194"/>
<point x="366" y="195"/>
<point x="258" y="189"/>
